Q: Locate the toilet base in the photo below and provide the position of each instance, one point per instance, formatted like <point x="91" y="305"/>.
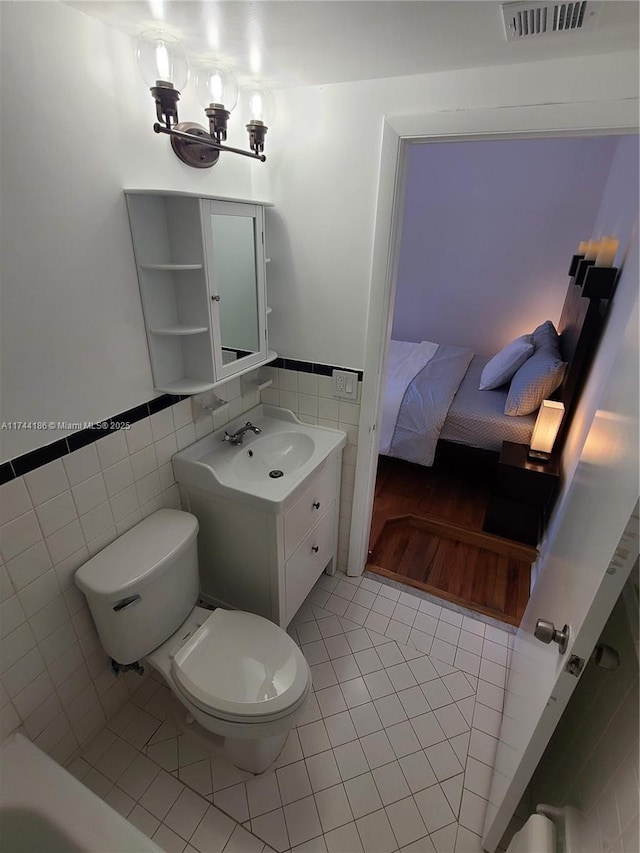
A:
<point x="253" y="755"/>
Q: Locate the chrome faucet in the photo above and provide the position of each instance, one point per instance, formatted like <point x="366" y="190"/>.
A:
<point x="236" y="437"/>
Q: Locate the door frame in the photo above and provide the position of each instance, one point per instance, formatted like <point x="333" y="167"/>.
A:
<point x="594" y="118"/>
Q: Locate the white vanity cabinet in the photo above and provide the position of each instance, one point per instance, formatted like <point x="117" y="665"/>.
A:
<point x="263" y="562"/>
<point x="201" y="270"/>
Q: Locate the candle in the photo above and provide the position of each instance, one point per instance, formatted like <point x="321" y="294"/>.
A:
<point x="607" y="252"/>
<point x="582" y="248"/>
<point x="592" y="250"/>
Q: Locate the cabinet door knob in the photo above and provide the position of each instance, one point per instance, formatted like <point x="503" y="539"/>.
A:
<point x="316" y="504"/>
<point x="216" y="298"/>
<point x="315" y="548"/>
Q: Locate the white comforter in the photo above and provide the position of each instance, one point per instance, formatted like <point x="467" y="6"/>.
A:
<point x="406" y="360"/>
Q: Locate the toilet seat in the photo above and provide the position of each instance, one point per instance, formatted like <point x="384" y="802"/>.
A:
<point x="240" y="667"/>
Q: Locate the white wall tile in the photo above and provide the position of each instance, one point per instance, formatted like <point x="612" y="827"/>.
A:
<point x="38" y="594"/>
<point x="29" y="565"/>
<point x="81" y="464"/>
<point x="112" y="448"/>
<point x="65" y="542"/>
<point x="139" y="435"/>
<point x="97" y="522"/>
<point x="182" y="415"/>
<point x="19" y="534"/>
<point x="186" y="435"/>
<point x="56" y="513"/>
<point x="144" y="462"/>
<point x="46" y="482"/>
<point x="66" y="570"/>
<point x="22" y="673"/>
<point x="162" y="424"/>
<point x="14" y="500"/>
<point x="90" y="493"/>
<point x="165" y="448"/>
<point x="118" y="477"/>
<point x="47" y="620"/>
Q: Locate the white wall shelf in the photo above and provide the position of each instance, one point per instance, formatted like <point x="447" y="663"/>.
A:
<point x="171" y="267"/>
<point x="185" y="386"/>
<point x="179" y="330"/>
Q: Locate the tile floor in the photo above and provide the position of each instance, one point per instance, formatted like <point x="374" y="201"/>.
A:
<point x="394" y="752"/>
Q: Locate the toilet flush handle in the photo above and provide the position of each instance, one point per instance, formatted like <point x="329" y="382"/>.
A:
<point x="126" y="602"/>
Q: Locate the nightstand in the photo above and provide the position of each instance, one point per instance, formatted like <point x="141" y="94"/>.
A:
<point x="522" y="496"/>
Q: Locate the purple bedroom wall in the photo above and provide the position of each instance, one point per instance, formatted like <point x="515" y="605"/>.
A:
<point x="488" y="231"/>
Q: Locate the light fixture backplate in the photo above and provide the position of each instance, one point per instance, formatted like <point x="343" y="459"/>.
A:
<point x="199" y="156"/>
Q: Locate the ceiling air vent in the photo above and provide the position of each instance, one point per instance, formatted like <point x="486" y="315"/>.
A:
<point x="525" y="20"/>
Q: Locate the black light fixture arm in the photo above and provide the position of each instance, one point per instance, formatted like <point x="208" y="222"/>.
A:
<point x="190" y="141"/>
<point x="206" y="141"/>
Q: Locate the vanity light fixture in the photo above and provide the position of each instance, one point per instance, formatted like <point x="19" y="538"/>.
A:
<point x="545" y="430"/>
<point x="165" y="68"/>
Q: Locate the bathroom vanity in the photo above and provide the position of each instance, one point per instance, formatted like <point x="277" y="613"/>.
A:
<point x="263" y="541"/>
<point x="202" y="274"/>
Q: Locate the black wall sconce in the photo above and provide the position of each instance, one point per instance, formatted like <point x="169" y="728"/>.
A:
<point x="165" y="68"/>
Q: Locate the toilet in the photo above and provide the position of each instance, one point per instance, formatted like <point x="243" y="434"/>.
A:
<point x="550" y="830"/>
<point x="241" y="677"/>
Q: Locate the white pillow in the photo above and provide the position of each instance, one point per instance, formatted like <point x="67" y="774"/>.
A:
<point x="502" y="367"/>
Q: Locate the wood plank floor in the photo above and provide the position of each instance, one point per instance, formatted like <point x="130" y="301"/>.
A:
<point x="427" y="532"/>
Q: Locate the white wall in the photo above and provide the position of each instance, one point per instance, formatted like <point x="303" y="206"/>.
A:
<point x="73" y="343"/>
<point x="487" y="233"/>
<point x="324" y="183"/>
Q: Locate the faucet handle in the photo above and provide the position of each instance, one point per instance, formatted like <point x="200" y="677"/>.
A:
<point x="227" y="436"/>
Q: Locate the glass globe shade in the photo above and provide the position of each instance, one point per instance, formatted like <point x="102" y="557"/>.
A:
<point x="161" y="57"/>
<point x="258" y="104"/>
<point x="216" y="84"/>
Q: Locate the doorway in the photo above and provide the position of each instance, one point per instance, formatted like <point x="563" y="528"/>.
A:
<point x="483" y="253"/>
<point x="398" y="134"/>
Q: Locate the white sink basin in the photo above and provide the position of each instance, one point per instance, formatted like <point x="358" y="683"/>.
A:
<point x="267" y="470"/>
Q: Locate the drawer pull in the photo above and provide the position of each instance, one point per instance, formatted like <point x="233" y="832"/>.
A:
<point x="316" y="504"/>
<point x="315" y="548"/>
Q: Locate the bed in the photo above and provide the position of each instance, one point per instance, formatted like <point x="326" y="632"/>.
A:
<point x="432" y="392"/>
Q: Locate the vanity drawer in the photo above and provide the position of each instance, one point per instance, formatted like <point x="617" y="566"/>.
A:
<point x="309" y="508"/>
<point x="309" y="561"/>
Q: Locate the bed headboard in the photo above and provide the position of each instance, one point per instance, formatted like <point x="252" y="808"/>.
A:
<point x="580" y="328"/>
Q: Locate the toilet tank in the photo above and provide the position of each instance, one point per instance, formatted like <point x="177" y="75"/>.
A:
<point x="142" y="586"/>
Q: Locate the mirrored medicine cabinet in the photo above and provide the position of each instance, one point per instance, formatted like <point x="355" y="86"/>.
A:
<point x="201" y="269"/>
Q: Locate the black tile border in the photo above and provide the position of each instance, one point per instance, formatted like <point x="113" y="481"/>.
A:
<point x="50" y="452"/>
<point x="311" y="367"/>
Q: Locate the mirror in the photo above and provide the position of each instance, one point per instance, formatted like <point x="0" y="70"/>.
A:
<point x="234" y="280"/>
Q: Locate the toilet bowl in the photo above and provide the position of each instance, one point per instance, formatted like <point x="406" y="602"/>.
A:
<point x="239" y="676"/>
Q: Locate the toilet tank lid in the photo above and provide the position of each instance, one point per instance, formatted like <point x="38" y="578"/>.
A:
<point x="147" y="548"/>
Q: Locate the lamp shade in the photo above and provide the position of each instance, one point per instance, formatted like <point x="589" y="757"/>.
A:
<point x="216" y="84"/>
<point x="546" y="429"/>
<point x="161" y="57"/>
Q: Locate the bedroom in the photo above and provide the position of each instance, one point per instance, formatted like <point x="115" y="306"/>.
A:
<point x="475" y="282"/>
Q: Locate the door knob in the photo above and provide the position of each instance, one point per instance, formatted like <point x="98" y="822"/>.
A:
<point x="546" y="632"/>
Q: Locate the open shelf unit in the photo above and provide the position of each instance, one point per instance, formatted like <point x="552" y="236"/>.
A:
<point x="181" y="244"/>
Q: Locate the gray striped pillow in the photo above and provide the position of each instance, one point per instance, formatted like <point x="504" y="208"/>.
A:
<point x="535" y="381"/>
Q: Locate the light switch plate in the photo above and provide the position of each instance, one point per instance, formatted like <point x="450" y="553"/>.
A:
<point x="345" y="384"/>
